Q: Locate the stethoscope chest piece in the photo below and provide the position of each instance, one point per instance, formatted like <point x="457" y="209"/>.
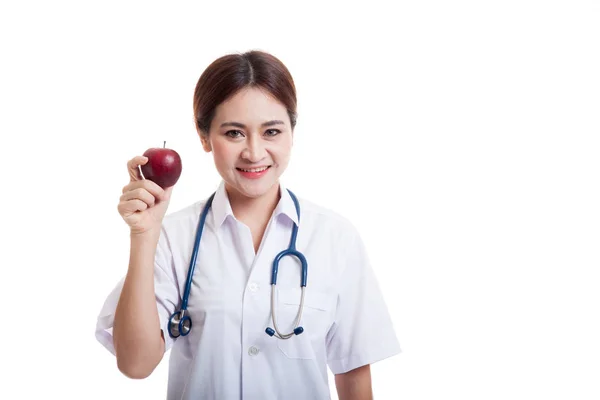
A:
<point x="180" y="324"/>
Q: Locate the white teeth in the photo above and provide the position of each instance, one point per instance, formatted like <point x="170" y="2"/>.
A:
<point x="253" y="169"/>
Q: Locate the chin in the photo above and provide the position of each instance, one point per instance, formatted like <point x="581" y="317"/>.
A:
<point x="252" y="190"/>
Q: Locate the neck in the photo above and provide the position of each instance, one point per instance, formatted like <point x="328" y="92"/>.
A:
<point x="255" y="210"/>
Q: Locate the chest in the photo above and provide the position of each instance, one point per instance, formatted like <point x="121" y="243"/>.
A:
<point x="235" y="263"/>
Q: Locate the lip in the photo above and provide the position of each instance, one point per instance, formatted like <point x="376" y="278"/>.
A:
<point x="257" y="167"/>
<point x="253" y="175"/>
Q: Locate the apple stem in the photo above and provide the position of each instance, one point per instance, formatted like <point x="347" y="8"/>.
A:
<point x="164" y="144"/>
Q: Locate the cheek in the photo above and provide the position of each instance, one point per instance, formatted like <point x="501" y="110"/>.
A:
<point x="283" y="150"/>
<point x="222" y="152"/>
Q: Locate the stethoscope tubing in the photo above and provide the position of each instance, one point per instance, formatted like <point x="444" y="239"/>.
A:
<point x="296" y="321"/>
<point x="188" y="282"/>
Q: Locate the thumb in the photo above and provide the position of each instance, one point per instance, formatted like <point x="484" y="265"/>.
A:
<point x="134" y="168"/>
<point x="166" y="195"/>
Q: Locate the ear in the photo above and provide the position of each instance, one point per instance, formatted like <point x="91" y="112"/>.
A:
<point x="205" y="143"/>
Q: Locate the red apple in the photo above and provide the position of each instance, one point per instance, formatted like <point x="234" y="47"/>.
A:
<point x="163" y="166"/>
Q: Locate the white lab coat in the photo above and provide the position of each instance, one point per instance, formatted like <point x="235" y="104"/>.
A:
<point x="228" y="355"/>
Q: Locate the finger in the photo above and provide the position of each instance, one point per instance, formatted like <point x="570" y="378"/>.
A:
<point x="131" y="206"/>
<point x="148" y="185"/>
<point x="166" y="195"/>
<point x="139" y="194"/>
<point x="133" y="167"/>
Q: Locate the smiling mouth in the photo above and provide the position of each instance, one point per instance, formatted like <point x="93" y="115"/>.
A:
<point x="261" y="169"/>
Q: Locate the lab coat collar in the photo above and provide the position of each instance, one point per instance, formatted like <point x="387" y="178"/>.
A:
<point x="286" y="205"/>
<point x="221" y="207"/>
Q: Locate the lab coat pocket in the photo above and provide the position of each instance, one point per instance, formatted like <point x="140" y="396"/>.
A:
<point x="316" y="318"/>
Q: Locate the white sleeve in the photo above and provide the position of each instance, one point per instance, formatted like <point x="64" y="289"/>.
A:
<point x="167" y="296"/>
<point x="362" y="332"/>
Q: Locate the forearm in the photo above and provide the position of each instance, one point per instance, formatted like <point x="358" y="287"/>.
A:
<point x="138" y="343"/>
<point x="355" y="384"/>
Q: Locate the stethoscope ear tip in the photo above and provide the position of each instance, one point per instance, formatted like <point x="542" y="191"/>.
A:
<point x="298" y="330"/>
<point x="270" y="331"/>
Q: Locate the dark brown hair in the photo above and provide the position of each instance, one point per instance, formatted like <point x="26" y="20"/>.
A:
<point x="225" y="76"/>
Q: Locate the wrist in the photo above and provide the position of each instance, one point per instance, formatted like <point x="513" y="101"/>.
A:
<point x="149" y="235"/>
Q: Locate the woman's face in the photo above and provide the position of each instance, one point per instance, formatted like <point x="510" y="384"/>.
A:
<point x="251" y="140"/>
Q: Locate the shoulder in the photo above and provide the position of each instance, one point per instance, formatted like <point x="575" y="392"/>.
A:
<point x="187" y="212"/>
<point x="178" y="228"/>
<point x="337" y="240"/>
<point x="182" y="220"/>
<point x="326" y="220"/>
<point x="311" y="209"/>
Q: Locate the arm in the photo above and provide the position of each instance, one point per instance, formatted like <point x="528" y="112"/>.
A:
<point x="138" y="341"/>
<point x="362" y="332"/>
<point x="355" y="384"/>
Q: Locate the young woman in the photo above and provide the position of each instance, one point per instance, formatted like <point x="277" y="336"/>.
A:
<point x="240" y="336"/>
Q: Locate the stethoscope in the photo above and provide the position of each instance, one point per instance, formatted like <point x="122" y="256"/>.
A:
<point x="180" y="322"/>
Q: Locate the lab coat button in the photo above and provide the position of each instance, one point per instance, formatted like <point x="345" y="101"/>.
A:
<point x="253" y="286"/>
<point x="253" y="351"/>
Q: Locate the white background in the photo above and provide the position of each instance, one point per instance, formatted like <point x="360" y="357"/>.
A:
<point x="460" y="137"/>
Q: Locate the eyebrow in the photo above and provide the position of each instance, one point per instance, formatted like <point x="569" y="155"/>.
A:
<point x="264" y="124"/>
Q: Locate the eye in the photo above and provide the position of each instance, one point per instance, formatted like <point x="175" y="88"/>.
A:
<point x="233" y="134"/>
<point x="272" y="132"/>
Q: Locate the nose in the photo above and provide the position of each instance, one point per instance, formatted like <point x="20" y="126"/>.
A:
<point x="254" y="150"/>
